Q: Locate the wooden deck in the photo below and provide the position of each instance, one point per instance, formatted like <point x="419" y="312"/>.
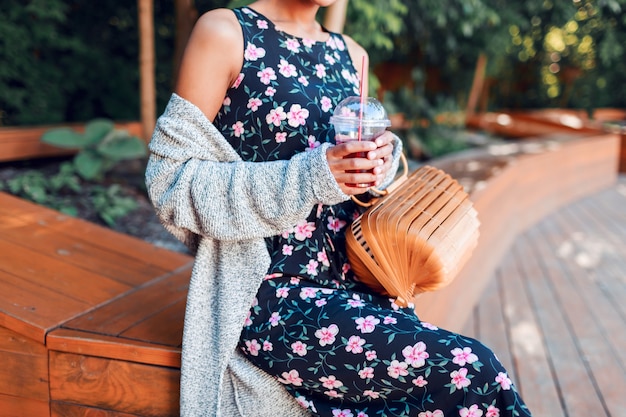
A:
<point x="554" y="312"/>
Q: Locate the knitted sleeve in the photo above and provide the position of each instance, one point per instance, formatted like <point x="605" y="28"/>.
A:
<point x="199" y="185"/>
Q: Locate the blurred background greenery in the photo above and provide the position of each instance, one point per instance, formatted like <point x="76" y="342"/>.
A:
<point x="76" y="60"/>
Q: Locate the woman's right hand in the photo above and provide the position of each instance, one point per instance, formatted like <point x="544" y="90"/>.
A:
<point x="351" y="171"/>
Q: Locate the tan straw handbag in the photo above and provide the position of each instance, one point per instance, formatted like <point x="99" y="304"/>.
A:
<point x="415" y="237"/>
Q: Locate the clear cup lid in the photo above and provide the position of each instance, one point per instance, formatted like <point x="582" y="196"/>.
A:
<point x="350" y="108"/>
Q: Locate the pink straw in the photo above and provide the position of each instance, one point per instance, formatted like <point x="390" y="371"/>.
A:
<point x="362" y="96"/>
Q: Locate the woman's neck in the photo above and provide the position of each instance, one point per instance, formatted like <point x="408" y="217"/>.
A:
<point x="295" y="17"/>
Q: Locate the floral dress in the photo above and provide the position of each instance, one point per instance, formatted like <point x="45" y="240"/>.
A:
<point x="339" y="348"/>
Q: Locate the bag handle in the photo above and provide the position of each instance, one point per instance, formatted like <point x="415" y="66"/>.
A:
<point x="381" y="193"/>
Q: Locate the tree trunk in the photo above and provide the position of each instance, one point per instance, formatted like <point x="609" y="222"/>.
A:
<point x="335" y="16"/>
<point x="186" y="16"/>
<point x="147" y="85"/>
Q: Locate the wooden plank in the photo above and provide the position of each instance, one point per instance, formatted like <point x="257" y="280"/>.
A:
<point x="113" y="347"/>
<point x="535" y="381"/>
<point x="61" y="409"/>
<point x="18" y="143"/>
<point x="126" y="387"/>
<point x="82" y="254"/>
<point x="23" y="407"/>
<point x="16" y="212"/>
<point x="134" y="308"/>
<point x="574" y="385"/>
<point x="32" y="310"/>
<point x="596" y="354"/>
<point x="24" y="370"/>
<point x="164" y="327"/>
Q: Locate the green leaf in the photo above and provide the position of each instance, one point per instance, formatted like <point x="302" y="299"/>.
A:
<point x="89" y="165"/>
<point x="63" y="137"/>
<point x="122" y="147"/>
<point x="96" y="130"/>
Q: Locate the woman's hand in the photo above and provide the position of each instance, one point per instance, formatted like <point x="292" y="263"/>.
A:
<point x="358" y="165"/>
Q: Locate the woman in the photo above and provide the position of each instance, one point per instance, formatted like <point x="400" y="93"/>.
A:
<point x="276" y="323"/>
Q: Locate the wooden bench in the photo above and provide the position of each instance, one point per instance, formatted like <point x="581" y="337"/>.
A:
<point x="91" y="320"/>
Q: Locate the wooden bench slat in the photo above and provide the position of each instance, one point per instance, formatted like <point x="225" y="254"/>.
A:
<point x="61" y="409"/>
<point x="19" y="406"/>
<point x="127" y="387"/>
<point x="165" y="327"/>
<point x="113" y="347"/>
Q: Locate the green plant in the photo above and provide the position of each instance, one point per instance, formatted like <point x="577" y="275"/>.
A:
<point x="111" y="204"/>
<point x="100" y="147"/>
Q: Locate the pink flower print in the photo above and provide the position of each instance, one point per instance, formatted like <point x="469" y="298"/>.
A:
<point x="429" y="326"/>
<point x="330" y="59"/>
<point x="253" y="347"/>
<point x="308" y="42"/>
<point x="342" y="413"/>
<point x="287" y="250"/>
<point x="335" y="224"/>
<point x="492" y="411"/>
<point x="339" y="44"/>
<point x="268" y="346"/>
<point x="297" y="115"/>
<point x="281" y="137"/>
<point x="266" y="75"/>
<point x="308" y="292"/>
<point x="304" y="230"/>
<point x="504" y="381"/>
<point x="252" y="52"/>
<point x="286" y="69"/>
<point x="346" y="112"/>
<point x="415" y="355"/>
<point x="282" y="292"/>
<point x="254" y="103"/>
<point x="303" y="402"/>
<point x="459" y="378"/>
<point x="322" y="257"/>
<point x="355" y="301"/>
<point x="371" y="394"/>
<point x="367" y="324"/>
<point x="396" y="369"/>
<point x="226" y="102"/>
<point x="292" y="377"/>
<point x="326" y="335"/>
<point x="390" y="320"/>
<point x="294" y="281"/>
<point x="261" y="24"/>
<point x="247" y="322"/>
<point x="238" y="80"/>
<point x="313" y="143"/>
<point x="293" y="45"/>
<point x="370" y="355"/>
<point x="362" y="414"/>
<point x="311" y="267"/>
<point x="331" y="382"/>
<point x="473" y="411"/>
<point x="326" y="103"/>
<point x="299" y="348"/>
<point x="436" y="413"/>
<point x="276" y="116"/>
<point x="270" y="91"/>
<point x="331" y="43"/>
<point x="345" y="268"/>
<point x="420" y="382"/>
<point x="334" y="394"/>
<point x="355" y="345"/>
<point x="303" y="80"/>
<point x="463" y="356"/>
<point x="367" y="373"/>
<point x="321" y="302"/>
<point x="320" y="70"/>
<point x="238" y="129"/>
<point x="274" y="319"/>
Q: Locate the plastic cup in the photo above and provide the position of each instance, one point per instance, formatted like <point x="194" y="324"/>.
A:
<point x="346" y="122"/>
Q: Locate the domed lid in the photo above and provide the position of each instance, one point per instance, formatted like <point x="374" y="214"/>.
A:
<point x="348" y="109"/>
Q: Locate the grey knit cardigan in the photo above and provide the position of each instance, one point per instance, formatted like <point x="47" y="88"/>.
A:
<point x="222" y="208"/>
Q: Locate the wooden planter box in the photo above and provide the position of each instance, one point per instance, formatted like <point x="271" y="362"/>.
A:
<point x="22" y="143"/>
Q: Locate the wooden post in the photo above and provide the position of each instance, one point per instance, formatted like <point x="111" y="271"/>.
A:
<point x="186" y="17"/>
<point x="147" y="87"/>
<point x="335" y="16"/>
<point x="477" y="84"/>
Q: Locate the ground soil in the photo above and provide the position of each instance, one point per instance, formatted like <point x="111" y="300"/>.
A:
<point x="141" y="223"/>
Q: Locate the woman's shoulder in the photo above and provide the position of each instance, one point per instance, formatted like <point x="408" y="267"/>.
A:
<point x="218" y="23"/>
